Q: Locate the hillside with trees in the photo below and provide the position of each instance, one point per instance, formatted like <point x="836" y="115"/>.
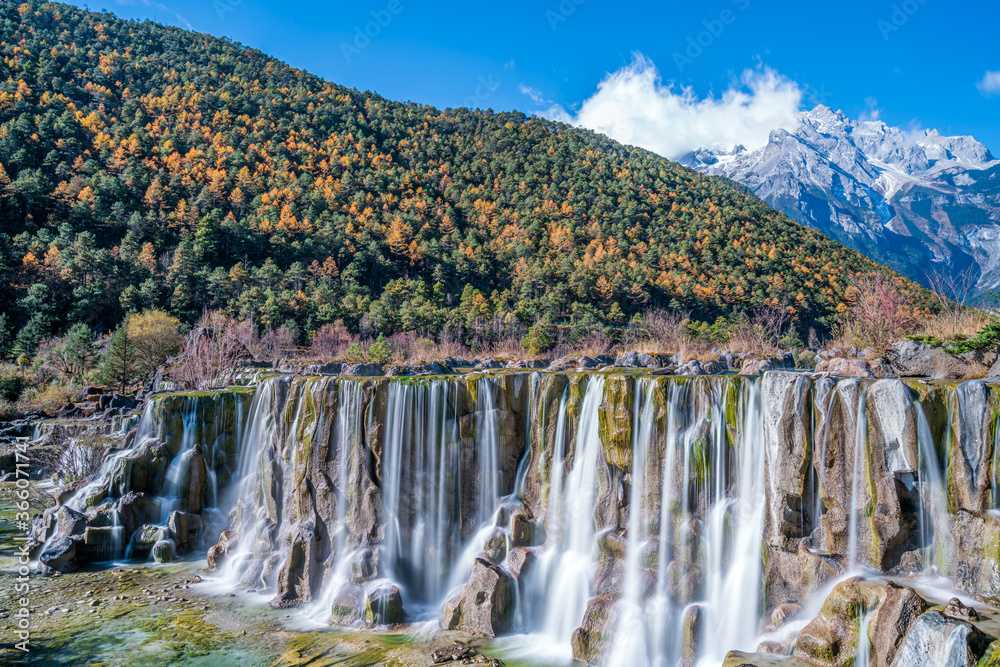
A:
<point x="145" y="167"/>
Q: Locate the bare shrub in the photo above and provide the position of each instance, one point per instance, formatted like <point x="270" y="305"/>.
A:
<point x="976" y="371"/>
<point x="880" y="312"/>
<point x="952" y="291"/>
<point x="955" y="320"/>
<point x="411" y="348"/>
<point x="761" y="331"/>
<point x="507" y="349"/>
<point x="207" y="358"/>
<point x="448" y="349"/>
<point x="331" y="341"/>
<point x="49" y="398"/>
<point x="274" y="344"/>
<point x="594" y="344"/>
<point x="666" y="330"/>
<point x="952" y="326"/>
<point x="81" y="458"/>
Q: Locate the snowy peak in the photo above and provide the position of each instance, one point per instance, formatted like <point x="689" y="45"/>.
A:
<point x="832" y="135"/>
<point x="906" y="198"/>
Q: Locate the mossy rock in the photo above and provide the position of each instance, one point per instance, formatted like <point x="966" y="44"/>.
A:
<point x="831" y="639"/>
<point x="383" y="604"/>
<point x="615" y="421"/>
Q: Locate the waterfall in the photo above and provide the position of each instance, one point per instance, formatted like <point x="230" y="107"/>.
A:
<point x="860" y="443"/>
<point x="631" y="645"/>
<point x="734" y="606"/>
<point x="571" y="575"/>
<point x="488" y="495"/>
<point x="863" y="655"/>
<point x="430" y="514"/>
<point x="643" y="496"/>
<point x="935" y="526"/>
<point x="820" y="463"/>
<point x="725" y="478"/>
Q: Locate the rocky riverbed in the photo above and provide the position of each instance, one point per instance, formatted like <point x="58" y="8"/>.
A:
<point x="159" y="614"/>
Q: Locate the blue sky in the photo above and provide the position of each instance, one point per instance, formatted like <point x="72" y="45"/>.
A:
<point x="913" y="63"/>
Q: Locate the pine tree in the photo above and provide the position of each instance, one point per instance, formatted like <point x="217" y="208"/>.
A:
<point x="120" y="366"/>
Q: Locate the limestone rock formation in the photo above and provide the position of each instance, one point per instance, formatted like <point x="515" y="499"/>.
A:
<point x="484" y="607"/>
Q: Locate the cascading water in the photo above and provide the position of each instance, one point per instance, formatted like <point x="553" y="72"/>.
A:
<point x="180" y="446"/>
<point x="631" y="644"/>
<point x="422" y="457"/>
<point x="863" y="657"/>
<point x="725" y="476"/>
<point x="857" y="473"/>
<point x="345" y="488"/>
<point x="488" y="495"/>
<point x="570" y="577"/>
<point x="935" y="528"/>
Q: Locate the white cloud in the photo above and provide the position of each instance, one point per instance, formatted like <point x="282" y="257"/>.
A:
<point x="635" y="106"/>
<point x="536" y="95"/>
<point x="872" y="112"/>
<point x="990" y="85"/>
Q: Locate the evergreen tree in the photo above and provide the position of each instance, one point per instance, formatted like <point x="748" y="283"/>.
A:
<point x="120" y="366"/>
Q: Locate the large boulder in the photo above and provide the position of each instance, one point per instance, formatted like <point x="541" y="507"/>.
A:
<point x="194" y="491"/>
<point x="383" y="603"/>
<point x="692" y="368"/>
<point x="219" y="552"/>
<point x="163" y="551"/>
<point x="642" y="360"/>
<point x="912" y="359"/>
<point x="186" y="529"/>
<point x="300" y="574"/>
<point x="936" y="640"/>
<point x="432" y="368"/>
<point x="69" y="522"/>
<point x="849" y="368"/>
<point x="692" y="631"/>
<point x="897" y="614"/>
<point x="135" y="509"/>
<point x="60" y="554"/>
<point x="757" y="366"/>
<point x="485" y="605"/>
<point x="348" y="605"/>
<point x="788" y="454"/>
<point x="977" y="555"/>
<point x="524" y="530"/>
<point x="363" y="370"/>
<point x="831" y="639"/>
<point x="333" y="368"/>
<point x="593" y="639"/>
<point x="970" y="473"/>
<point x="527" y="363"/>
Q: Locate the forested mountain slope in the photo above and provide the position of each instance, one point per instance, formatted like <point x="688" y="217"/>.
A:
<point x="147" y="166"/>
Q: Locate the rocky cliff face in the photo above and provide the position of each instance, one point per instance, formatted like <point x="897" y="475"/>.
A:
<point x="627" y="518"/>
<point x="907" y="199"/>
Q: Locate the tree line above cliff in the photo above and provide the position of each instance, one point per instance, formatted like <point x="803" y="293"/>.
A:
<point x="144" y="166"/>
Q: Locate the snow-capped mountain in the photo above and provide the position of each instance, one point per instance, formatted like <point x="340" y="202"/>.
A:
<point x="913" y="200"/>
